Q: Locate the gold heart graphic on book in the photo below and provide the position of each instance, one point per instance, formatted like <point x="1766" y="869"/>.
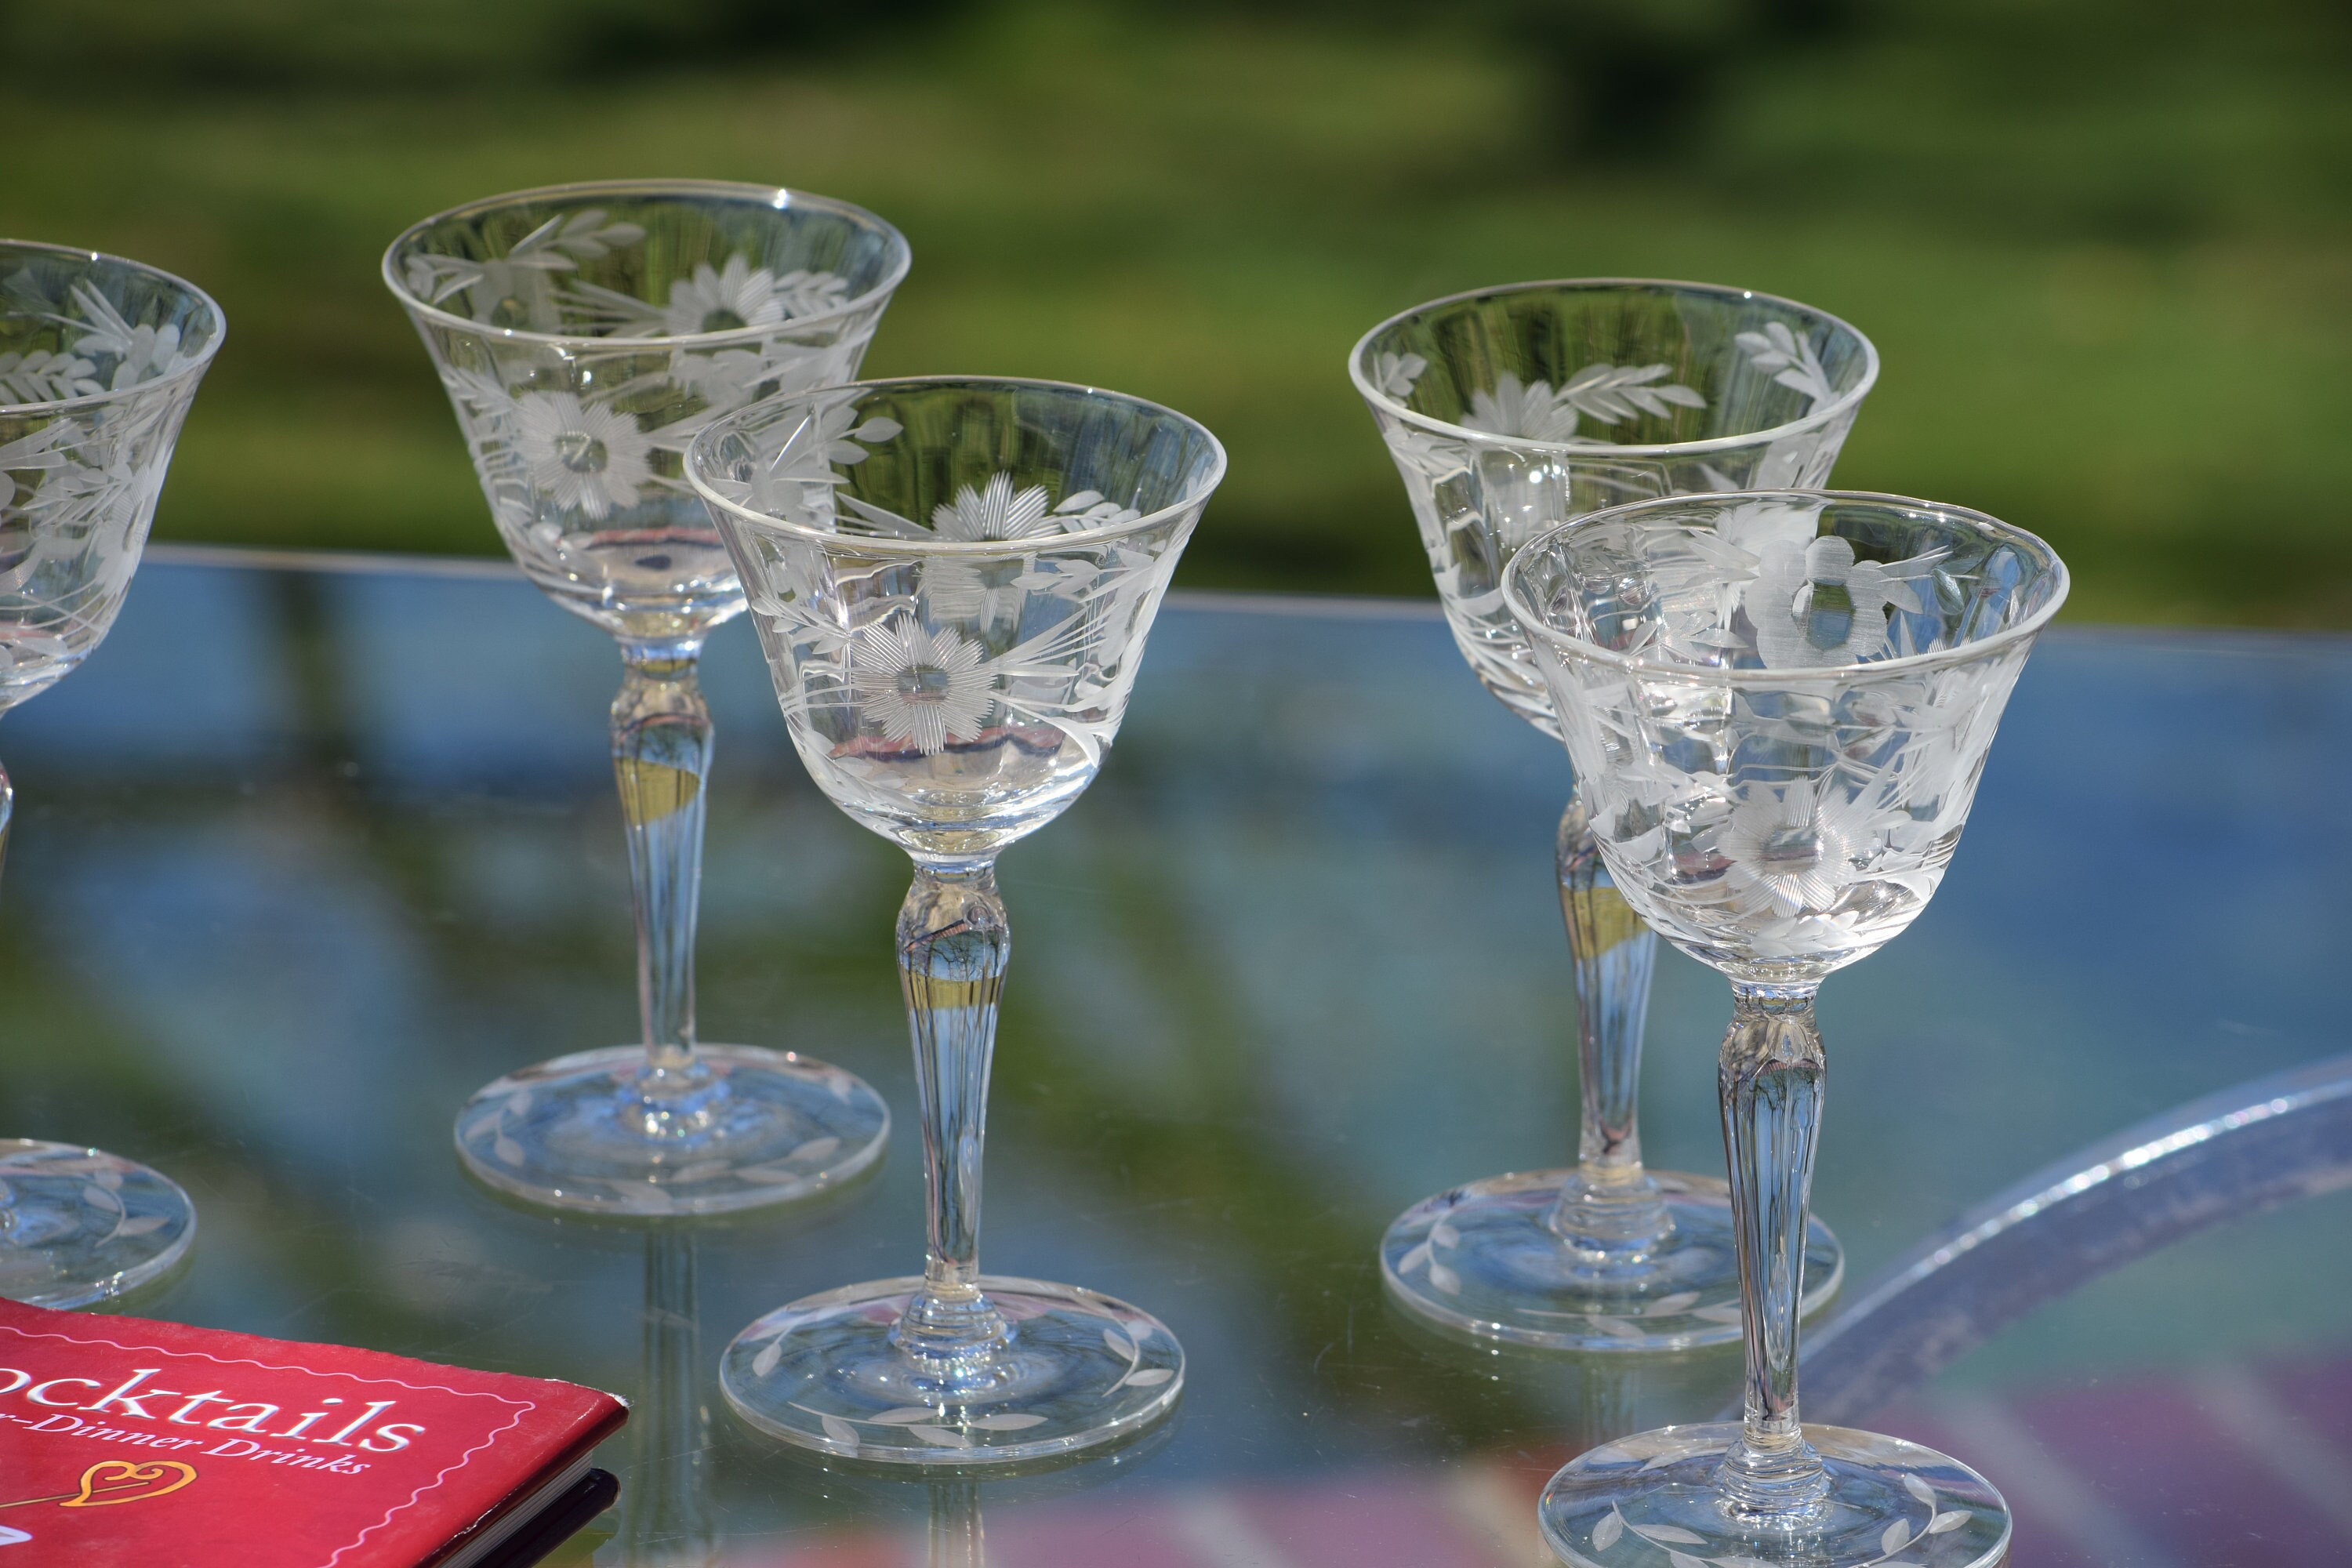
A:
<point x="112" y="1481"/>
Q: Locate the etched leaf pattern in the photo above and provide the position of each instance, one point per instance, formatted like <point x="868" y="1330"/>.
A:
<point x="101" y="1185"/>
<point x="1606" y="392"/>
<point x="1789" y="359"/>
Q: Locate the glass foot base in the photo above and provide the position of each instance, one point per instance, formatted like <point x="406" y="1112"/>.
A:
<point x="77" y="1225"/>
<point x="1483" y="1261"/>
<point x="745" y="1127"/>
<point x="1652" y="1498"/>
<point x="1079" y="1370"/>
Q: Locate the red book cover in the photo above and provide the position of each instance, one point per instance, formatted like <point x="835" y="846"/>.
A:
<point x="129" y="1444"/>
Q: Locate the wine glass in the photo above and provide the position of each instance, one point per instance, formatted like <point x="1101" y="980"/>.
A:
<point x="1508" y="410"/>
<point x="99" y="358"/>
<point x="584" y="334"/>
<point x="953" y="578"/>
<point x="1778" y="706"/>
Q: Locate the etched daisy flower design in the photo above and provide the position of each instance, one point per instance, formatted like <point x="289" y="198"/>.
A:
<point x="1700" y="595"/>
<point x="1793" y="848"/>
<point x="1815" y="606"/>
<point x="923" y="688"/>
<point x="737" y="295"/>
<point x="995" y="511"/>
<point x="1394" y="373"/>
<point x="721" y="299"/>
<point x="586" y="460"/>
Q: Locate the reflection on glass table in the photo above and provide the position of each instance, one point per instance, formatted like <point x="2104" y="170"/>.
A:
<point x="293" y="879"/>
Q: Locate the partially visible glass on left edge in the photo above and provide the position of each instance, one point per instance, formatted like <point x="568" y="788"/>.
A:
<point x="99" y="358"/>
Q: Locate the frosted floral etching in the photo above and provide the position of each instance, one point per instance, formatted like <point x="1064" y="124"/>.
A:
<point x="1532" y="454"/>
<point x="578" y="431"/>
<point x="1789" y="359"/>
<point x="1031" y="652"/>
<point x="922" y="688"/>
<point x="1809" y="820"/>
<point x="1025" y="654"/>
<point x="1605" y="392"/>
<point x="589" y="451"/>
<point x="78" y="483"/>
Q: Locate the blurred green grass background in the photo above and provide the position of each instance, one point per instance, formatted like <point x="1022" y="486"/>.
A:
<point x="2103" y="246"/>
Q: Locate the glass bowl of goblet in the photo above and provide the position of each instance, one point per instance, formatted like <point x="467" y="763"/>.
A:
<point x="584" y="334"/>
<point x="1509" y="410"/>
<point x="953" y="578"/>
<point x="99" y="358"/>
<point x="1778" y="706"/>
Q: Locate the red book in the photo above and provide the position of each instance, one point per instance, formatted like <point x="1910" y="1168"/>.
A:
<point x="129" y="1444"/>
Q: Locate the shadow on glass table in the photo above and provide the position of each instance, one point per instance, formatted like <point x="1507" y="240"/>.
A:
<point x="307" y="853"/>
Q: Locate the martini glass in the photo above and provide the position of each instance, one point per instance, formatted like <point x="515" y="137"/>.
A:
<point x="953" y="578"/>
<point x="584" y="334"/>
<point x="100" y="360"/>
<point x="1778" y="706"/>
<point x="1509" y="410"/>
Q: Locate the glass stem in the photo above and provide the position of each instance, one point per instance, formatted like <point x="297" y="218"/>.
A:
<point x="1770" y="1080"/>
<point x="956" y="1538"/>
<point x="661" y="756"/>
<point x="953" y="943"/>
<point x="1610" y="1211"/>
<point x="664" y="1508"/>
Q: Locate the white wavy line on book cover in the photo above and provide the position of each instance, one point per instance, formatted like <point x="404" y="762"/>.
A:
<point x="361" y="1540"/>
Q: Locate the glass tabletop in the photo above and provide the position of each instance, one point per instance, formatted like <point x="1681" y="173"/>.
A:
<point x="310" y="851"/>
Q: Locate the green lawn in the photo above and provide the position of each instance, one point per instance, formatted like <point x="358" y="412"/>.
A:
<point x="2105" y="250"/>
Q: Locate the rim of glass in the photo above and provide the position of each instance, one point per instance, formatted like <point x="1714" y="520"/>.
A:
<point x="194" y="368"/>
<point x="747" y="195"/>
<point x="1534" y="625"/>
<point x="886" y="544"/>
<point x="1844" y="403"/>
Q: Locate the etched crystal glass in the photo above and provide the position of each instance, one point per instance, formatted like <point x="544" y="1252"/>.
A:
<point x="953" y="580"/>
<point x="1778" y="706"/>
<point x="1508" y="411"/>
<point x="100" y="360"/>
<point x="584" y="334"/>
